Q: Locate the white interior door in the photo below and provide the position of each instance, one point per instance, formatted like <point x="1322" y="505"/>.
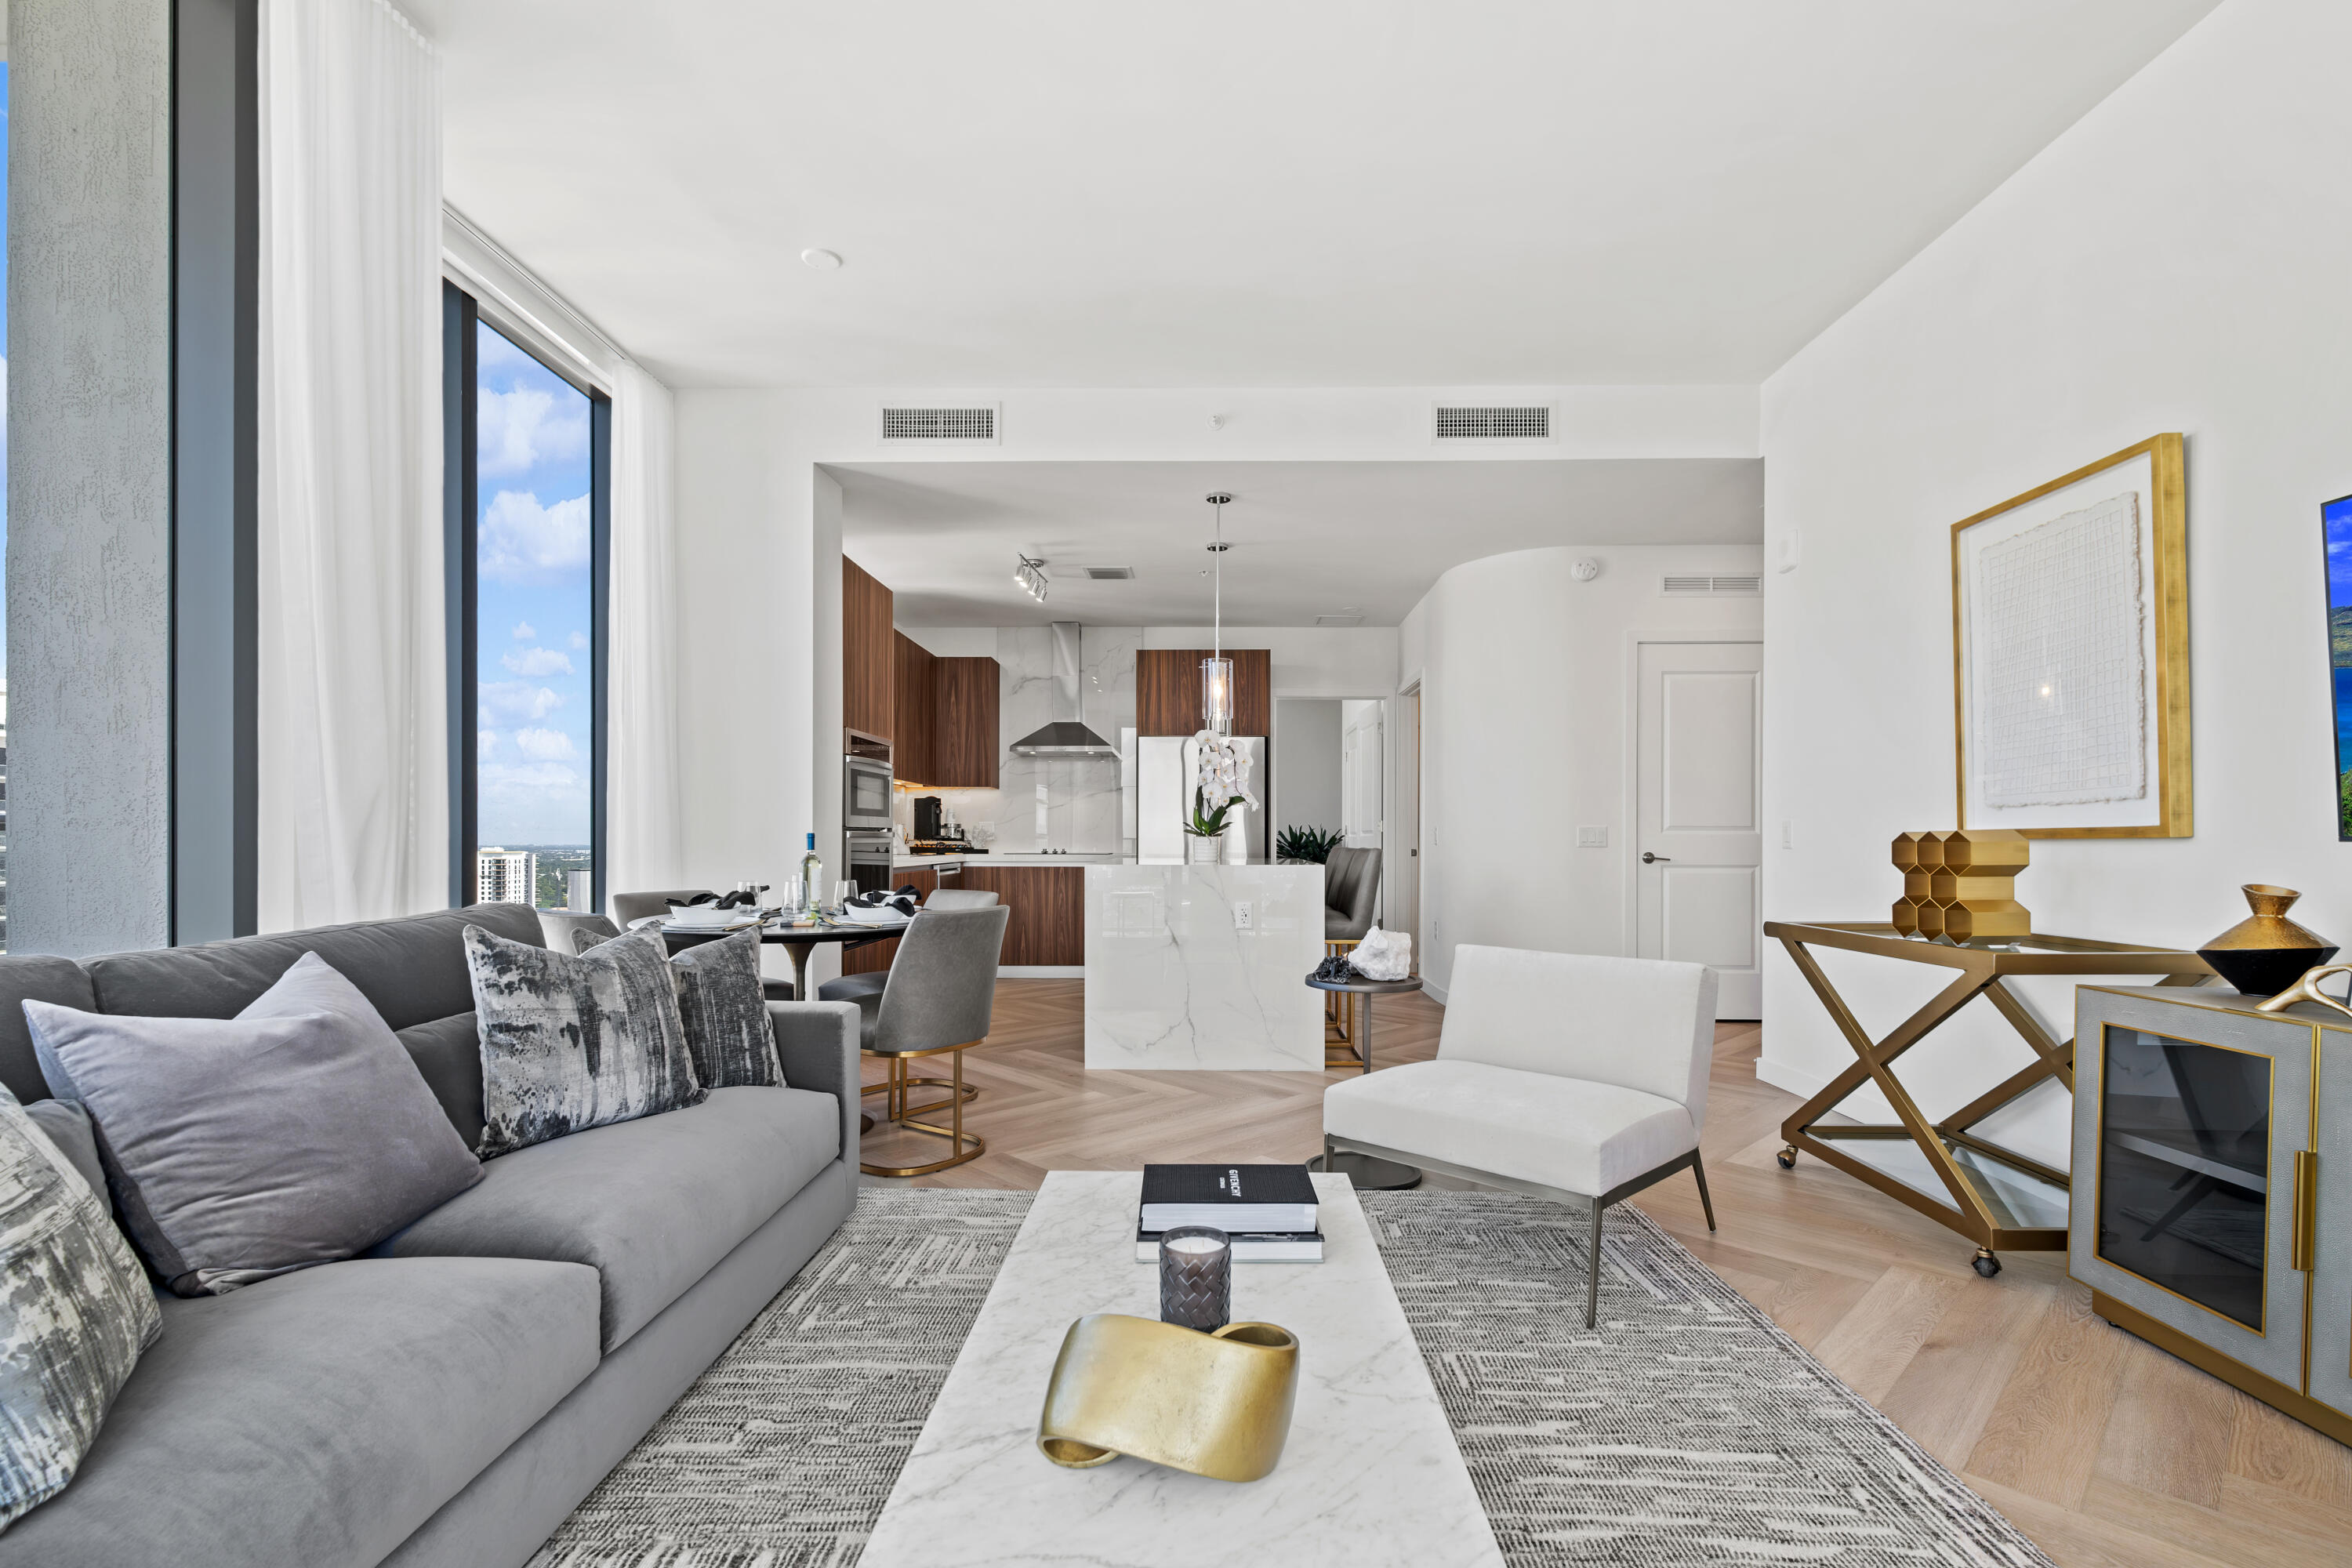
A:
<point x="1698" y="840"/>
<point x="1360" y="784"/>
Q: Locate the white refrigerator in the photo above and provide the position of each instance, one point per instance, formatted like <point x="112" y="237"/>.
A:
<point x="1165" y="767"/>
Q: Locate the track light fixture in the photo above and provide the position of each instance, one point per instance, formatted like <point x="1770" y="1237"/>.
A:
<point x="1030" y="578"/>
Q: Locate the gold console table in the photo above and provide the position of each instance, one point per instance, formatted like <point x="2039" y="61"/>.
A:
<point x="1978" y="1207"/>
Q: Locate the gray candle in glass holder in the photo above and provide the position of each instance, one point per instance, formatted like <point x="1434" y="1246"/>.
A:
<point x="1196" y="1277"/>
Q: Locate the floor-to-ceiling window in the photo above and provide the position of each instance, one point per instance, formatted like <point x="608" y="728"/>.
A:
<point x="529" y="505"/>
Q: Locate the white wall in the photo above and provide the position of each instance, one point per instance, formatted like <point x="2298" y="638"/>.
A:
<point x="1305" y="763"/>
<point x="2175" y="261"/>
<point x="1524" y="680"/>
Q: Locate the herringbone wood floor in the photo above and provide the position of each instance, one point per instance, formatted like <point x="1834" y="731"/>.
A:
<point x="2106" y="1451"/>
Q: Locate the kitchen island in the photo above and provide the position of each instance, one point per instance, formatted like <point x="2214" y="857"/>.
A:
<point x="1192" y="967"/>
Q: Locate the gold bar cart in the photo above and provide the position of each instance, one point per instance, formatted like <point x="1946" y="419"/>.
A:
<point x="1978" y="1207"/>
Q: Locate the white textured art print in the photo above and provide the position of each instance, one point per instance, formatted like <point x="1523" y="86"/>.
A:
<point x="2059" y="668"/>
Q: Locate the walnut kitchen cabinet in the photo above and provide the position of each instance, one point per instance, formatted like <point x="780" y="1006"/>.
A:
<point x="1168" y="690"/>
<point x="866" y="698"/>
<point x="1047" y="925"/>
<point x="963" y="742"/>
<point x="915" y="696"/>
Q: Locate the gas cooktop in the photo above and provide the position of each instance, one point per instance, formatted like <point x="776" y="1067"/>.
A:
<point x="940" y="847"/>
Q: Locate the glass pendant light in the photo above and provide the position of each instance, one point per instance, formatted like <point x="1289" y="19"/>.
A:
<point x="1217" y="671"/>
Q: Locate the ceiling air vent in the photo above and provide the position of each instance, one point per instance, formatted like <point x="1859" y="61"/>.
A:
<point x="903" y="424"/>
<point x="1111" y="573"/>
<point x="1683" y="587"/>
<point x="1339" y="620"/>
<point x="1497" y="421"/>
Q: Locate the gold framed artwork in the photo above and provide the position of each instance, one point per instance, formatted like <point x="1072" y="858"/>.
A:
<point x="2070" y="653"/>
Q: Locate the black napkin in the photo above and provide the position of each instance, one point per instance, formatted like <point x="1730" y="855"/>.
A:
<point x="903" y="901"/>
<point x="689" y="903"/>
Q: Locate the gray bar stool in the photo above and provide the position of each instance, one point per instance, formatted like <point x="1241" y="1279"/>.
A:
<point x="937" y="999"/>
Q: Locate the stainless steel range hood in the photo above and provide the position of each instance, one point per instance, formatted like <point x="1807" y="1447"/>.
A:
<point x="1067" y="735"/>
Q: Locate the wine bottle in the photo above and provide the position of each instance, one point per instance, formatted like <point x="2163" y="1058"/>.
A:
<point x="812" y="877"/>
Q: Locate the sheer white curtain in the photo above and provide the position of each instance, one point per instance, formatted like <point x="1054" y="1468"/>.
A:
<point x="643" y="841"/>
<point x="353" y="804"/>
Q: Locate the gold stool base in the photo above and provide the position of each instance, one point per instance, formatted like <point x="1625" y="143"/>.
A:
<point x="969" y="1146"/>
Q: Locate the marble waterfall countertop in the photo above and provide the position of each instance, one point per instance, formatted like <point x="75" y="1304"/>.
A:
<point x="1204" y="967"/>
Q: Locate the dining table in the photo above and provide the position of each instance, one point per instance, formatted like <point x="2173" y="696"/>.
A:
<point x="798" y="940"/>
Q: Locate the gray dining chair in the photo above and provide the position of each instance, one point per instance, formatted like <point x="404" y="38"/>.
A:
<point x="572" y="931"/>
<point x="1350" y="893"/>
<point x="630" y="908"/>
<point x="937" y="999"/>
<point x="850" y="987"/>
<point x="1352" y="888"/>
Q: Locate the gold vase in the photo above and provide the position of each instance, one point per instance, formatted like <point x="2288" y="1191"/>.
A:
<point x="2265" y="953"/>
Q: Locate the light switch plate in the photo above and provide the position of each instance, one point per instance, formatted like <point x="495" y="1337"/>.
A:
<point x="1592" y="839"/>
<point x="1788" y="834"/>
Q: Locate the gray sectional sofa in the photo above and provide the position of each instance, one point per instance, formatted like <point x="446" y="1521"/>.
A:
<point x="448" y="1399"/>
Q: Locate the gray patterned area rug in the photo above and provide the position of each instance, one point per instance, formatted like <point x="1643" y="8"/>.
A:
<point x="1686" y="1429"/>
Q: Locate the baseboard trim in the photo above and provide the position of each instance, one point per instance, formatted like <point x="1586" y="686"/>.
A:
<point x="1800" y="1082"/>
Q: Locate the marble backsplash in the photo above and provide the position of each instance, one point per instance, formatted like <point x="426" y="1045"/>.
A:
<point x="1051" y="802"/>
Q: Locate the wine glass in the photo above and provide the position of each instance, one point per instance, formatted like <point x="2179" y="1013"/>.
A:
<point x="842" y="891"/>
<point x="795" y="897"/>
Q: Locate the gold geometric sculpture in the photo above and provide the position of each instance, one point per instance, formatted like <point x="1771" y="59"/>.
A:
<point x="1217" y="1404"/>
<point x="1961" y="885"/>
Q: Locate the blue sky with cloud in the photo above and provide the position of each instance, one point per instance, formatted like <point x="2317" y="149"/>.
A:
<point x="531" y="651"/>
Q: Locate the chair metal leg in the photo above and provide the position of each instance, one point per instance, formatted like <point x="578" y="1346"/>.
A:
<point x="1593" y="1275"/>
<point x="1699" y="1170"/>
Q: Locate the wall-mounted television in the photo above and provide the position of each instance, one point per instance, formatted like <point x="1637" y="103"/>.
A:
<point x="2335" y="526"/>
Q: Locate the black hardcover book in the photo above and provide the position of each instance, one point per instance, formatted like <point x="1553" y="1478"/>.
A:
<point x="1249" y="1246"/>
<point x="1231" y="1197"/>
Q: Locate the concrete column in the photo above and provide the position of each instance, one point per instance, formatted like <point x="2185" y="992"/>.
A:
<point x="89" y="475"/>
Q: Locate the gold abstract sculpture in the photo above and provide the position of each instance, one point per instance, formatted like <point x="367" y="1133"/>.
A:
<point x="1217" y="1404"/>
<point x="1961" y="885"/>
<point x="2307" y="990"/>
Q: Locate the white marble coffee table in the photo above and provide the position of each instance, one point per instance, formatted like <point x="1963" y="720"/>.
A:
<point x="1370" y="1475"/>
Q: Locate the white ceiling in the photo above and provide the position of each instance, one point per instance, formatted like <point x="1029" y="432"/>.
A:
<point x="1232" y="193"/>
<point x="1307" y="539"/>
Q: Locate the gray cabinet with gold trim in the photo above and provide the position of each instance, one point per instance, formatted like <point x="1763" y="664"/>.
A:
<point x="2330" y="1380"/>
<point x="2208" y="1137"/>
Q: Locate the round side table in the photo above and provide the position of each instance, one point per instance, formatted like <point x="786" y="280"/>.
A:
<point x="1364" y="1170"/>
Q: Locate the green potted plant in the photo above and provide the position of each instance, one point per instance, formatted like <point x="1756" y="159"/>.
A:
<point x="1205" y="830"/>
<point x="1306" y="845"/>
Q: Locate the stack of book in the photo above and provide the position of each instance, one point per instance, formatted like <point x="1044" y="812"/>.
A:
<point x="1267" y="1211"/>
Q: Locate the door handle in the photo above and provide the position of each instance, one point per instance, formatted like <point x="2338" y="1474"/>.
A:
<point x="2304" y="1246"/>
<point x="1650" y="859"/>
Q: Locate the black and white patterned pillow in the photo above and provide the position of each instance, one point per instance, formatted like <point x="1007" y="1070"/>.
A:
<point x="725" y="1012"/>
<point x="573" y="1042"/>
<point x="76" y="1311"/>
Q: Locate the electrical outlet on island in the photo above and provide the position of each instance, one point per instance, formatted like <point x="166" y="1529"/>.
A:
<point x="1241" y="915"/>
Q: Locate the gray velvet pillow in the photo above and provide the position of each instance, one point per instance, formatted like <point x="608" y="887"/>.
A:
<point x="726" y="1013"/>
<point x="67" y="1126"/>
<point x="571" y="1042"/>
<point x="75" y="1314"/>
<point x="296" y="1133"/>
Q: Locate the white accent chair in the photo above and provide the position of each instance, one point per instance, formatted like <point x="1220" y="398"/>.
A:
<point x="1561" y="1076"/>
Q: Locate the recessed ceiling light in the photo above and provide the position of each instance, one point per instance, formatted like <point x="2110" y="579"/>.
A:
<point x="820" y="260"/>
